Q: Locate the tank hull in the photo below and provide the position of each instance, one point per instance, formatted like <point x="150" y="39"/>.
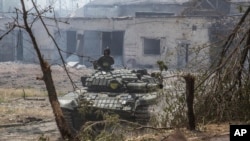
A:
<point x="122" y="92"/>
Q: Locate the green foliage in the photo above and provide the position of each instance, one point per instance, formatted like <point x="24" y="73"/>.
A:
<point x="241" y="8"/>
<point x="1" y="100"/>
<point x="43" y="138"/>
<point x="162" y="65"/>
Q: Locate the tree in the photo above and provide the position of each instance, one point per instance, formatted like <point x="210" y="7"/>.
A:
<point x="226" y="84"/>
<point x="47" y="77"/>
<point x="25" y="24"/>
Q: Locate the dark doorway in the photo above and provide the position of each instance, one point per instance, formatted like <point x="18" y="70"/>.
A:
<point x="71" y="42"/>
<point x="114" y="40"/>
<point x="96" y="41"/>
<point x="19" y="48"/>
<point x="182" y="54"/>
<point x="7" y="48"/>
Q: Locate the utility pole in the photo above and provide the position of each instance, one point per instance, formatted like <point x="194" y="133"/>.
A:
<point x="1" y="6"/>
<point x="60" y="6"/>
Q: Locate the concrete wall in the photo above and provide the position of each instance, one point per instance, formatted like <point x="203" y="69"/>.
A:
<point x="103" y="11"/>
<point x="130" y="10"/>
<point x="170" y="32"/>
<point x="15" y="45"/>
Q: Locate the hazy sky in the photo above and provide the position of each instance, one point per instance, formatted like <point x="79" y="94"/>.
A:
<point x="64" y="4"/>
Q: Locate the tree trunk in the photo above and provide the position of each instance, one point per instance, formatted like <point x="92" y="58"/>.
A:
<point x="47" y="78"/>
<point x="61" y="123"/>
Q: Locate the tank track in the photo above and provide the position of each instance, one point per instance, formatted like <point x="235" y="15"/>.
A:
<point x="142" y="114"/>
<point x="73" y="120"/>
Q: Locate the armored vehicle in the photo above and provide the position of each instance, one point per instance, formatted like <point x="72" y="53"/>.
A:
<point x="128" y="93"/>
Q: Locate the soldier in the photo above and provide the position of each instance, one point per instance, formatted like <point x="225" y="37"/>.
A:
<point x="106" y="60"/>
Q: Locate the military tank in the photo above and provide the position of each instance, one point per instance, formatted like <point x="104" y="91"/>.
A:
<point x="128" y="93"/>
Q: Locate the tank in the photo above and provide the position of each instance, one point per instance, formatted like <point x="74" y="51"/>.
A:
<point x="128" y="93"/>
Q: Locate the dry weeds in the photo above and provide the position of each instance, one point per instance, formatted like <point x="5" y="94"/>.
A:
<point x="14" y="108"/>
<point x="204" y="133"/>
<point x="7" y="94"/>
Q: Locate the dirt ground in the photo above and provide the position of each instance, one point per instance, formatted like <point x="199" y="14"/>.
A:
<point x="18" y="75"/>
<point x="29" y="118"/>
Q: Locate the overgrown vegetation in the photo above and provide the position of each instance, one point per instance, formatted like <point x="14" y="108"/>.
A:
<point x="222" y="93"/>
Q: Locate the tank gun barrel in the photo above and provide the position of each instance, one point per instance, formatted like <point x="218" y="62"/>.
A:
<point x="143" y="86"/>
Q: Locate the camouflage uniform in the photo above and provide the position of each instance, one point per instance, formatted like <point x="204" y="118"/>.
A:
<point x="105" y="62"/>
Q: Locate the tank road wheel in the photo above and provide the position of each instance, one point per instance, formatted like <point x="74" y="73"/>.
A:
<point x="74" y="119"/>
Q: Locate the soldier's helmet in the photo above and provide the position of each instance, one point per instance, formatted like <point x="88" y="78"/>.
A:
<point x="106" y="51"/>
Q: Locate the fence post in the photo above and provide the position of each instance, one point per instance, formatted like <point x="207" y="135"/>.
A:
<point x="189" y="79"/>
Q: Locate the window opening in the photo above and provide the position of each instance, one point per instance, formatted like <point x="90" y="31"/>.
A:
<point x="151" y="46"/>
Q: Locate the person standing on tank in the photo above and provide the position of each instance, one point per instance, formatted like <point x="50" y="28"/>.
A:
<point x="106" y="60"/>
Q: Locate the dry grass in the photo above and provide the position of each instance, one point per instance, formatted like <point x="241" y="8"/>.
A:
<point x="22" y="114"/>
<point x="203" y="133"/>
<point x="7" y="94"/>
<point x="14" y="108"/>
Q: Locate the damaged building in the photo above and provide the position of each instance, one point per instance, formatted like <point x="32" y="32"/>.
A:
<point x="138" y="32"/>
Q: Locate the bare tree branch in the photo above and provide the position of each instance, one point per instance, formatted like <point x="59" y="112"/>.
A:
<point x="6" y="33"/>
<point x="65" y="68"/>
<point x="233" y="34"/>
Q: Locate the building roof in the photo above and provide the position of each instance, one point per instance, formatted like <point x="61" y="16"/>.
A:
<point x="239" y="0"/>
<point x="130" y="2"/>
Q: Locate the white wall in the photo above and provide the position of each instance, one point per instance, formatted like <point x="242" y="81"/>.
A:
<point x="170" y="30"/>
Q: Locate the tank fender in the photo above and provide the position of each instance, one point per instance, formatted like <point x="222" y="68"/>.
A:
<point x="69" y="101"/>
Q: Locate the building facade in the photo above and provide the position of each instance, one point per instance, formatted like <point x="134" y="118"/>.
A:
<point x="137" y="38"/>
